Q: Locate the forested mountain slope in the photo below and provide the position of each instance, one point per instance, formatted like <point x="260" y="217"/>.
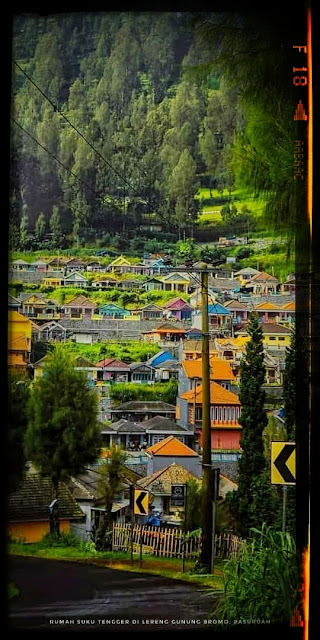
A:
<point x="139" y="137"/>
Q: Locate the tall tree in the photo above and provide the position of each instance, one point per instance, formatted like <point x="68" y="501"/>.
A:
<point x="55" y="226"/>
<point x="182" y="187"/>
<point x="24" y="232"/>
<point x="193" y="505"/>
<point x="112" y="475"/>
<point x="18" y="395"/>
<point x="40" y="227"/>
<point x="253" y="420"/>
<point x="63" y="434"/>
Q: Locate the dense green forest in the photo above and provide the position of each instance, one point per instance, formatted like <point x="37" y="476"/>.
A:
<point x="118" y="119"/>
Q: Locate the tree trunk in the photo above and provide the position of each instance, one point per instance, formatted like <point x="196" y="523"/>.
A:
<point x="55" y="514"/>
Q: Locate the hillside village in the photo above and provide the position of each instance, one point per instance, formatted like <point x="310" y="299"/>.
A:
<point x="163" y="440"/>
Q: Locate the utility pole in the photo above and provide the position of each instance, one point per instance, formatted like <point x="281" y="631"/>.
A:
<point x="206" y="506"/>
<point x="207" y="497"/>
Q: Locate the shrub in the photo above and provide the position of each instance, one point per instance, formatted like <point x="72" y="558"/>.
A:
<point x="63" y="540"/>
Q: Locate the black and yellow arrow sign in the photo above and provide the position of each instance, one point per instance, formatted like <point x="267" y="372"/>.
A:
<point x="283" y="463"/>
<point x="141" y="502"/>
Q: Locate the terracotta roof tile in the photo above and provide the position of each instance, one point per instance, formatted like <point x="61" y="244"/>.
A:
<point x="219" y="369"/>
<point x="218" y="395"/>
<point x="171" y="446"/>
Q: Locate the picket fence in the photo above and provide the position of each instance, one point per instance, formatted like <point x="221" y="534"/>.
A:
<point x="169" y="542"/>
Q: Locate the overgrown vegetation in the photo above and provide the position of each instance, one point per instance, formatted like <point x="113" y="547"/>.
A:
<point x="131" y="351"/>
<point x="262" y="582"/>
<point x="164" y="391"/>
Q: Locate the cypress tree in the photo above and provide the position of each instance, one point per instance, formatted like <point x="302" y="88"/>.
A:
<point x="253" y="420"/>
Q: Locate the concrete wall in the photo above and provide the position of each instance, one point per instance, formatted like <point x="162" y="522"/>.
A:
<point x="30" y="277"/>
<point x="110" y="328"/>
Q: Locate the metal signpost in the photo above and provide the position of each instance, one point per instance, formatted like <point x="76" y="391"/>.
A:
<point x="283" y="470"/>
<point x="140" y="508"/>
<point x="179" y="499"/>
<point x="215" y="480"/>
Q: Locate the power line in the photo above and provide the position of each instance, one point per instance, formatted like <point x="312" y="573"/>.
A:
<point x="57" y="110"/>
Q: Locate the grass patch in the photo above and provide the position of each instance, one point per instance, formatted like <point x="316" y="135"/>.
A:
<point x="84" y="552"/>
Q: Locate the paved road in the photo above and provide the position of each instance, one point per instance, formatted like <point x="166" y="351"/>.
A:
<point x="61" y="596"/>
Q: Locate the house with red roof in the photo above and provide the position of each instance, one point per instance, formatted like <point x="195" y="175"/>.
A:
<point x="113" y="370"/>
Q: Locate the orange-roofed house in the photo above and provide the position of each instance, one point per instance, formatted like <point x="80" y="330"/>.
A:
<point x="224" y="415"/>
<point x="166" y="332"/>
<point x="191" y="373"/>
<point x="268" y="311"/>
<point x="19" y="339"/>
<point x="287" y="314"/>
<point x="171" y="450"/>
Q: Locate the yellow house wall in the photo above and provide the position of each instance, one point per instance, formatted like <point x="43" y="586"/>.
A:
<point x="33" y="531"/>
<point x="277" y="342"/>
<point x="17" y="325"/>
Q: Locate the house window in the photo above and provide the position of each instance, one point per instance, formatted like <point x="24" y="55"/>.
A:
<point x="198" y="413"/>
<point x="156" y="439"/>
<point x="271" y="338"/>
<point x="281" y="339"/>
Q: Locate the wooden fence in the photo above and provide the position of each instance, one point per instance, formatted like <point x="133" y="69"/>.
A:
<point x="168" y="542"/>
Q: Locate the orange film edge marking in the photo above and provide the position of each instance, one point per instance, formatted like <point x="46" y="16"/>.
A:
<point x="310" y="122"/>
<point x="305" y="592"/>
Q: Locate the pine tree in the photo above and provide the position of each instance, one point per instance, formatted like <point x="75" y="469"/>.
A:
<point x="40" y="227"/>
<point x="63" y="434"/>
<point x="55" y="226"/>
<point x="24" y="232"/>
<point x="253" y="420"/>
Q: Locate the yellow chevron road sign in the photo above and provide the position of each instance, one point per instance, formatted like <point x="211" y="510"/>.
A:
<point x="141" y="502"/>
<point x="283" y="463"/>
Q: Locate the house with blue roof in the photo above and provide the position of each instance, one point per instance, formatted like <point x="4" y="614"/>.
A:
<point x="220" y="318"/>
<point x="160" y="357"/>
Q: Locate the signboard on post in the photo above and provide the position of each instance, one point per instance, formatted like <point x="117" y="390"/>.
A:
<point x="177" y="495"/>
<point x="283" y="463"/>
<point x="141" y="502"/>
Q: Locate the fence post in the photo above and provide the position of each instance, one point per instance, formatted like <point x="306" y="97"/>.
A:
<point x="140" y="545"/>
